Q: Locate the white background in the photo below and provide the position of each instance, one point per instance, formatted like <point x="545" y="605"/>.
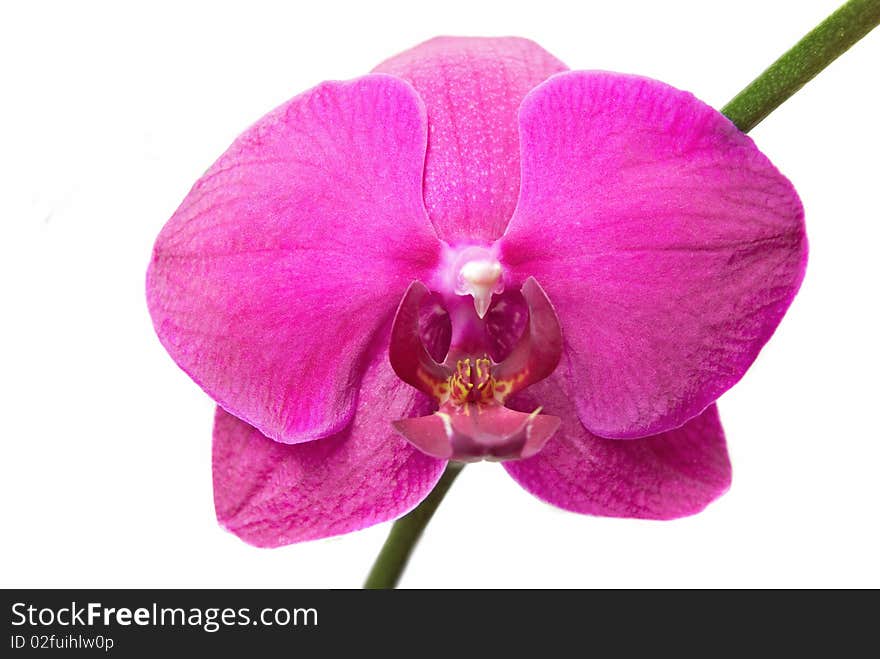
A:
<point x="110" y="113"/>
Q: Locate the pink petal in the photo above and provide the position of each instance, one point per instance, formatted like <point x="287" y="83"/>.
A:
<point x="271" y="494"/>
<point x="670" y="475"/>
<point x="407" y="353"/>
<point x="670" y="246"/>
<point x="472" y="433"/>
<point x="472" y="88"/>
<point x="435" y="326"/>
<point x="505" y="323"/>
<point x="274" y="274"/>
<point x="539" y="348"/>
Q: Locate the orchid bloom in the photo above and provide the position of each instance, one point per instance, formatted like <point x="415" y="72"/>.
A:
<point x="474" y="253"/>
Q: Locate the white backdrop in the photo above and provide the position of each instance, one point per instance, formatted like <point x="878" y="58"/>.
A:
<point x="110" y="113"/>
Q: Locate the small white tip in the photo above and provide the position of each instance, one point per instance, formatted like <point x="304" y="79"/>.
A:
<point x="482" y="300"/>
<point x="481" y="278"/>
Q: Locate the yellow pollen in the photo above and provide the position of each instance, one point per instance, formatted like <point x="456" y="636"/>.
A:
<point x="472" y="381"/>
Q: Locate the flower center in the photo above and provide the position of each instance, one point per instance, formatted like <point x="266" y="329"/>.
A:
<point x="472" y="382"/>
<point x="469" y="386"/>
<point x="472" y="270"/>
<point x="480" y="279"/>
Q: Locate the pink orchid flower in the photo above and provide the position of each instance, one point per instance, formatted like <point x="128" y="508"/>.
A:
<point x="474" y="253"/>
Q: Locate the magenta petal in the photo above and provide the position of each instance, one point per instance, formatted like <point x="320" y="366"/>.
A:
<point x="670" y="246"/>
<point x="407" y="352"/>
<point x="505" y="323"/>
<point x="270" y="280"/>
<point x="472" y="433"/>
<point x="428" y="433"/>
<point x="472" y="88"/>
<point x="435" y="327"/>
<point x="271" y="494"/>
<point x="674" y="474"/>
<point x="537" y="353"/>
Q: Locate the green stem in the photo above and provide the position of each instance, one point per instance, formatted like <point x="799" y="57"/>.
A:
<point x="405" y="533"/>
<point x="768" y="91"/>
<point x="798" y="66"/>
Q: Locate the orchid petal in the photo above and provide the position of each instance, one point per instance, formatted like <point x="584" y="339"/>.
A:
<point x="312" y="219"/>
<point x="537" y="353"/>
<point x="505" y="323"/>
<point x="472" y="88"/>
<point x="670" y="475"/>
<point x="407" y="352"/>
<point x="435" y="327"/>
<point x="271" y="494"/>
<point x="479" y="432"/>
<point x="669" y="244"/>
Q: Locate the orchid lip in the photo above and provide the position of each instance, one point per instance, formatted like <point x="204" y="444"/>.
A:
<point x="469" y="387"/>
